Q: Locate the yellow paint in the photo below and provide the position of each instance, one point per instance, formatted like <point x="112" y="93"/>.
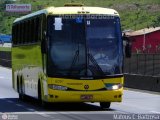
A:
<point x="77" y="87"/>
<point x="79" y="84"/>
<point x="71" y="10"/>
<point x="75" y="96"/>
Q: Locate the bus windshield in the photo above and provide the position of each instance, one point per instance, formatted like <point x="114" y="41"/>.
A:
<point x="103" y="41"/>
<point x="84" y="47"/>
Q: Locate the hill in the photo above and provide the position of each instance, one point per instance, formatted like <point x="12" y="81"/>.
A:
<point x="135" y="14"/>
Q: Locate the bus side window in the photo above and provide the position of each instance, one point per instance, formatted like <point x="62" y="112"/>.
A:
<point x="40" y="27"/>
<point x="22" y="34"/>
<point x="13" y="34"/>
<point x="29" y="31"/>
<point x="43" y="26"/>
<point x="25" y="32"/>
<point x="16" y="34"/>
<point x="32" y="31"/>
<point x="27" y="38"/>
<point x="18" y="30"/>
<point x="37" y="29"/>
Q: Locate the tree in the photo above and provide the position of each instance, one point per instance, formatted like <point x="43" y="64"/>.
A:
<point x="156" y="22"/>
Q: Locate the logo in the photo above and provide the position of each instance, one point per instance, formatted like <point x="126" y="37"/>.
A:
<point x="18" y="8"/>
<point x="9" y="117"/>
<point x="4" y="117"/>
<point x="86" y="87"/>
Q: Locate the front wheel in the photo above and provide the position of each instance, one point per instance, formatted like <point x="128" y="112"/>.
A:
<point x="105" y="105"/>
<point x="41" y="102"/>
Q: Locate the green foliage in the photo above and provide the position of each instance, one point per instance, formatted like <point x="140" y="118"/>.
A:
<point x="135" y="14"/>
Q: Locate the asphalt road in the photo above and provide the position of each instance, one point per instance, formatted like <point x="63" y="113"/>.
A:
<point x="135" y="103"/>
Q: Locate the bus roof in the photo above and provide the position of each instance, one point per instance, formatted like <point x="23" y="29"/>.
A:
<point x="71" y="10"/>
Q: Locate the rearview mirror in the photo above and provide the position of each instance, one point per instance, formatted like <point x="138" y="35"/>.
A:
<point x="127" y="46"/>
<point x="128" y="50"/>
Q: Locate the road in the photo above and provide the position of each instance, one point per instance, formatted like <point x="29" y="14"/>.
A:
<point x="134" y="103"/>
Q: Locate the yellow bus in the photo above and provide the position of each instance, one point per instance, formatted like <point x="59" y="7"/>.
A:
<point x="68" y="54"/>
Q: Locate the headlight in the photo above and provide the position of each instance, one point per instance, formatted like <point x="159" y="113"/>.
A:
<point x="57" y="87"/>
<point x="113" y="86"/>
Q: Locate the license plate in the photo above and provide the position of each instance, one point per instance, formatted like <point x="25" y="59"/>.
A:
<point x="86" y="97"/>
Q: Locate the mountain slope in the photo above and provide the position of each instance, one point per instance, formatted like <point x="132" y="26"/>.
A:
<point x="135" y="14"/>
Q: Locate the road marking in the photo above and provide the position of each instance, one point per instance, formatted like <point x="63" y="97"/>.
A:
<point x="156" y="112"/>
<point x="43" y="114"/>
<point x="30" y="109"/>
<point x="19" y="105"/>
<point x="1" y="77"/>
<point x="10" y="101"/>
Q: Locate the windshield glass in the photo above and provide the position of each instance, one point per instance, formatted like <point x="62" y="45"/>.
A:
<point x="66" y="47"/>
<point x="82" y="47"/>
<point x="103" y="41"/>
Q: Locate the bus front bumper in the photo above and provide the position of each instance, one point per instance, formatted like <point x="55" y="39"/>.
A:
<point x="84" y="96"/>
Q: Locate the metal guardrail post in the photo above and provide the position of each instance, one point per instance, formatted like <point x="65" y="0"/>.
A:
<point x="153" y="63"/>
<point x="145" y="67"/>
<point x="137" y="62"/>
<point x="130" y="65"/>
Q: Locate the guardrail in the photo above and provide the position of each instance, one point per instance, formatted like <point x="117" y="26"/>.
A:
<point x="142" y="71"/>
<point x="143" y="64"/>
<point x="5" y="58"/>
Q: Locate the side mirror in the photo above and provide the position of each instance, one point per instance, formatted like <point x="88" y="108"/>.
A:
<point x="127" y="46"/>
<point x="128" y="50"/>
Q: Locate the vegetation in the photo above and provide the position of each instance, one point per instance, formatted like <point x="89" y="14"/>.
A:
<point x="135" y="14"/>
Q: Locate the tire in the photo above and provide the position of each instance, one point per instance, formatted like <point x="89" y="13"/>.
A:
<point x="21" y="90"/>
<point x="105" y="105"/>
<point x="17" y="84"/>
<point x="41" y="102"/>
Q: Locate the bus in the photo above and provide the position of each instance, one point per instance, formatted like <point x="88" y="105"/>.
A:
<point x="68" y="54"/>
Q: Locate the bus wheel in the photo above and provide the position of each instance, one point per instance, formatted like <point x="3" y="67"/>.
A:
<point x="21" y="90"/>
<point x="41" y="102"/>
<point x="105" y="105"/>
<point x="18" y="84"/>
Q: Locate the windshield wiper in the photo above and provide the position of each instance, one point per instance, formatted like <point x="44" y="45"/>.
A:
<point x="74" y="61"/>
<point x="96" y="68"/>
